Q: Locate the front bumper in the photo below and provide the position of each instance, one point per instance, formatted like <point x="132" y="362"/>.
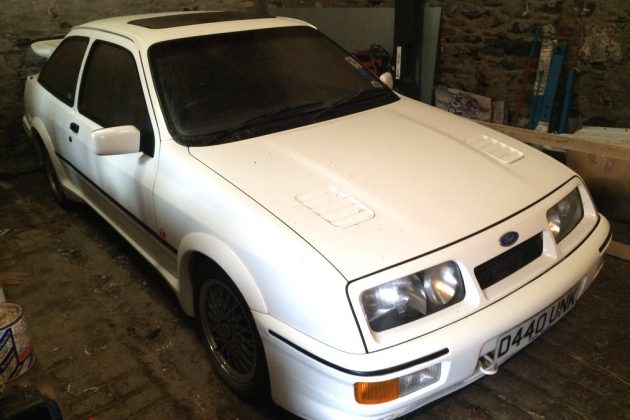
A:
<point x="316" y="381"/>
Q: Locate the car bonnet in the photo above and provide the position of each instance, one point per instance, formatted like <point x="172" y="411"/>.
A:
<point x="379" y="187"/>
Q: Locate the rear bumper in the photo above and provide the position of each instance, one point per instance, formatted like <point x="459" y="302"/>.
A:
<point x="316" y="381"/>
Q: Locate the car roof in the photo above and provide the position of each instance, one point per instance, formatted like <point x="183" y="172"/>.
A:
<point x="147" y="29"/>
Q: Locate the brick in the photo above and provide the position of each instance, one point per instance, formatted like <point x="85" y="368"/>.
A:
<point x="169" y="410"/>
<point x="86" y="371"/>
<point x="130" y="382"/>
<point x="138" y="401"/>
<point x="479" y="395"/>
<point x="91" y="401"/>
<point x="525" y="395"/>
<point x="457" y="409"/>
<point x="116" y="412"/>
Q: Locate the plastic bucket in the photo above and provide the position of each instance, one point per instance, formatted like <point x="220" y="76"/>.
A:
<point x="16" y="352"/>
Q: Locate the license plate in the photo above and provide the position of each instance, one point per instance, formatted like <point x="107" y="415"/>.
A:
<point x="520" y="336"/>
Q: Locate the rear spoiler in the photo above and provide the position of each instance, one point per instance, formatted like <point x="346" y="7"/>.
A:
<point x="45" y="47"/>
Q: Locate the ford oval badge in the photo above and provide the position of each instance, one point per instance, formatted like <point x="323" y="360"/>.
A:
<point x="508" y="239"/>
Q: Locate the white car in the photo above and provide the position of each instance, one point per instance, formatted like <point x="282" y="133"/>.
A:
<point x="352" y="252"/>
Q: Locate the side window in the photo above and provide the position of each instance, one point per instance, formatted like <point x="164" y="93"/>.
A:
<point x="61" y="71"/>
<point x="111" y="93"/>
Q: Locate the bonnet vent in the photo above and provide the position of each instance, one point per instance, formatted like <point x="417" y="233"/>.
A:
<point x="495" y="149"/>
<point x="336" y="207"/>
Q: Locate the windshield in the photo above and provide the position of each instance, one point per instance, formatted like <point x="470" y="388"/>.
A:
<point x="219" y="88"/>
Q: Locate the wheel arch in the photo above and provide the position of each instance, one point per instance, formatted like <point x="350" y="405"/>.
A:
<point x="197" y="248"/>
<point x="39" y="135"/>
<point x="43" y="143"/>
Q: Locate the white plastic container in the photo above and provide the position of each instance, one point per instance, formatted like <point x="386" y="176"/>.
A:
<point x="16" y="352"/>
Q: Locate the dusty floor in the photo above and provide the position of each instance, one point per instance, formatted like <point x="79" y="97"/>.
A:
<point x="112" y="343"/>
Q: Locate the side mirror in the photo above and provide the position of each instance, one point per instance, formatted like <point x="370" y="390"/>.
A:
<point x="116" y="140"/>
<point x="388" y="79"/>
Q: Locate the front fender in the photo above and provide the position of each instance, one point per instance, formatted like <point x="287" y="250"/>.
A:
<point x="223" y="256"/>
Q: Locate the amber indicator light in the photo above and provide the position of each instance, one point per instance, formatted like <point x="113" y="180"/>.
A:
<point x="376" y="392"/>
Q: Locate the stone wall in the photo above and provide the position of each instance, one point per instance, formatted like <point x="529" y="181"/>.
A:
<point x="22" y="22"/>
<point x="484" y="46"/>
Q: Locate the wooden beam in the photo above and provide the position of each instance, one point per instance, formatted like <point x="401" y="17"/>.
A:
<point x="619" y="250"/>
<point x="564" y="142"/>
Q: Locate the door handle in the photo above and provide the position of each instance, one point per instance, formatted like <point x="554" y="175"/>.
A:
<point x="74" y="127"/>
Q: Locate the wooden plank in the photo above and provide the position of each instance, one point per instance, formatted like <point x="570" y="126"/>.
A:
<point x="619" y="250"/>
<point x="564" y="142"/>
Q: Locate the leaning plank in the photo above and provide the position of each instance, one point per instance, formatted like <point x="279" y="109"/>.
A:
<point x="619" y="250"/>
<point x="564" y="142"/>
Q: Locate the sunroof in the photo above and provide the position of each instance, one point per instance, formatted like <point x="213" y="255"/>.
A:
<point x="185" y="19"/>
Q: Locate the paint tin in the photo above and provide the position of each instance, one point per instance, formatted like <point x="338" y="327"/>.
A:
<point x="16" y="352"/>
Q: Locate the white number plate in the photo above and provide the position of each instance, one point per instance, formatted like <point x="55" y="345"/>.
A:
<point x="520" y="336"/>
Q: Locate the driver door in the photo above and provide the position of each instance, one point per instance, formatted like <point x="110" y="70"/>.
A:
<point x="113" y="93"/>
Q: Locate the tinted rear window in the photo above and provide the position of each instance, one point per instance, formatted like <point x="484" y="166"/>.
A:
<point x="61" y="71"/>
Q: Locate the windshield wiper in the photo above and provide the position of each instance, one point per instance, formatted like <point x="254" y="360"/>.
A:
<point x="364" y="95"/>
<point x="270" y="117"/>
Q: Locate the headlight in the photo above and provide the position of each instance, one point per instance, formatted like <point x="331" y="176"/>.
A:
<point x="411" y="297"/>
<point x="565" y="215"/>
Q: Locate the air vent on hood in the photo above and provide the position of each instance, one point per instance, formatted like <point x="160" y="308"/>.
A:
<point x="494" y="148"/>
<point x="336" y="207"/>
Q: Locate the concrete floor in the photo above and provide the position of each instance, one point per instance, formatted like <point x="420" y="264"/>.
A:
<point x="112" y="343"/>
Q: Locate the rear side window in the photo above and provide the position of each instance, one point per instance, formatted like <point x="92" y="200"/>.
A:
<point x="61" y="71"/>
<point x="111" y="93"/>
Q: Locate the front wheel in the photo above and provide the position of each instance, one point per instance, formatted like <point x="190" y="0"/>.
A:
<point x="229" y="334"/>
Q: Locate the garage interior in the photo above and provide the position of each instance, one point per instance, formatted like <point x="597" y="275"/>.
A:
<point x="109" y="338"/>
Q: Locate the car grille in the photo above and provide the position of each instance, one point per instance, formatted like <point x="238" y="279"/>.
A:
<point x="501" y="266"/>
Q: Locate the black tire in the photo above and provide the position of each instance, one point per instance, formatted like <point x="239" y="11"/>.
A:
<point x="53" y="182"/>
<point x="229" y="334"/>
